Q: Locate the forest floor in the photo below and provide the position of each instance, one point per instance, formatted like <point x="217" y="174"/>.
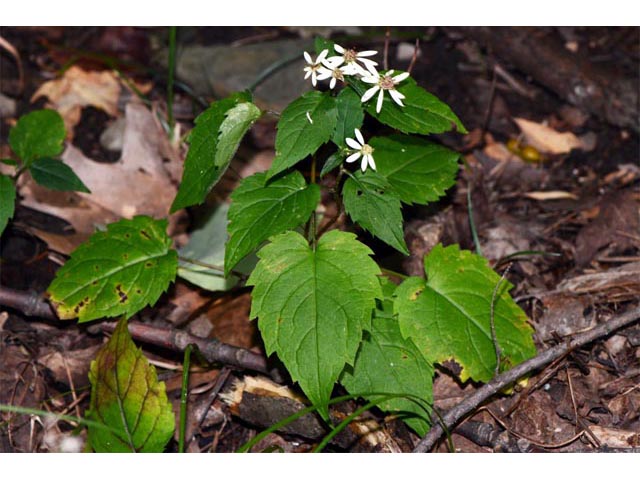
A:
<point x="551" y="173"/>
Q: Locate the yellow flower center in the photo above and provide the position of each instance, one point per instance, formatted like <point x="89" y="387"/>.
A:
<point x="366" y="150"/>
<point x="350" y="56"/>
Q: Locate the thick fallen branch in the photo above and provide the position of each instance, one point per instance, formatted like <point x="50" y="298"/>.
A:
<point x="32" y="304"/>
<point x="469" y="404"/>
<point x="589" y="86"/>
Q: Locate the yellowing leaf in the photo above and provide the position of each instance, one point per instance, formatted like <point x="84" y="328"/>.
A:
<point x="127" y="396"/>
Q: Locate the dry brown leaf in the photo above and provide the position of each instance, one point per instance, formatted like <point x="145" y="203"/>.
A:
<point x="614" y="438"/>
<point x="550" y="195"/>
<point x="137" y="184"/>
<point x="78" y="88"/>
<point x="546" y="139"/>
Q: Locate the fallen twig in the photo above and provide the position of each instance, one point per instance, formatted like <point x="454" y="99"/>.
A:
<point x="469" y="404"/>
<point x="32" y="304"/>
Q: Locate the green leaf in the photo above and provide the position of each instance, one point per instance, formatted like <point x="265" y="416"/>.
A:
<point x="332" y="162"/>
<point x="422" y="113"/>
<point x="372" y="203"/>
<point x="260" y="210"/>
<point x="127" y="396"/>
<point x="119" y="271"/>
<point x="212" y="145"/>
<point x="350" y="116"/>
<point x="388" y="363"/>
<point x="448" y="315"/>
<point x="321" y="43"/>
<point x="56" y="175"/>
<point x="7" y="201"/>
<point x="313" y="305"/>
<point x="9" y="161"/>
<point x="207" y="245"/>
<point x="298" y="137"/>
<point x="38" y="134"/>
<point x="420" y="171"/>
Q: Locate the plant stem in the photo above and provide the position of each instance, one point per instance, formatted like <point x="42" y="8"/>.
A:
<point x="217" y="268"/>
<point x="172" y="69"/>
<point x="472" y="224"/>
<point x="313" y="233"/>
<point x="186" y="365"/>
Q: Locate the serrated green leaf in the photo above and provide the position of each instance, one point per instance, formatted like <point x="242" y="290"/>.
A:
<point x="212" y="144"/>
<point x="448" y="315"/>
<point x="38" y="134"/>
<point x="298" y="137"/>
<point x="387" y="362"/>
<point x="116" y="272"/>
<point x="260" y="210"/>
<point x="207" y="245"/>
<point x="127" y="396"/>
<point x="312" y="306"/>
<point x="7" y="201"/>
<point x="350" y="115"/>
<point x="372" y="203"/>
<point x="56" y="175"/>
<point x="419" y="171"/>
<point x="422" y="113"/>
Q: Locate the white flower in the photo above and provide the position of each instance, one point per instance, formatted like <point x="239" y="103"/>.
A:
<point x="362" y="149"/>
<point x="331" y="71"/>
<point x="382" y="83"/>
<point x="350" y="59"/>
<point x="314" y="66"/>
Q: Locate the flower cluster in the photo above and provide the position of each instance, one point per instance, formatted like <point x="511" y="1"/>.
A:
<point x="350" y="62"/>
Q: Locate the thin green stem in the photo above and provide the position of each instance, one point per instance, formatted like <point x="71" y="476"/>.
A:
<point x="184" y="392"/>
<point x="272" y="69"/>
<point x="216" y="268"/>
<point x="172" y="69"/>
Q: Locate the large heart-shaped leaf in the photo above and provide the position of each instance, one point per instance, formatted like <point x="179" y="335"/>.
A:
<point x="449" y="314"/>
<point x="312" y="305"/>
<point x="116" y="272"/>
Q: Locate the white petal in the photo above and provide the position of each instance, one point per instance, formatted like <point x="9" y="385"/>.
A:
<point x="363" y="164"/>
<point x="353" y="144"/>
<point x="390" y="72"/>
<point x="314" y="79"/>
<point x="307" y="57"/>
<point x="353" y="158"/>
<point x="401" y="77"/>
<point x="370" y="79"/>
<point x="372" y="68"/>
<point x="309" y="118"/>
<point x="397" y="97"/>
<point x="367" y="53"/>
<point x="369" y="93"/>
<point x="322" y="55"/>
<point x="338" y="48"/>
<point x="370" y="64"/>
<point x="359" y="136"/>
<point x="372" y="163"/>
<point x="308" y="74"/>
<point x="324" y="73"/>
<point x="332" y="83"/>
<point x="379" y="104"/>
<point x="333" y="62"/>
